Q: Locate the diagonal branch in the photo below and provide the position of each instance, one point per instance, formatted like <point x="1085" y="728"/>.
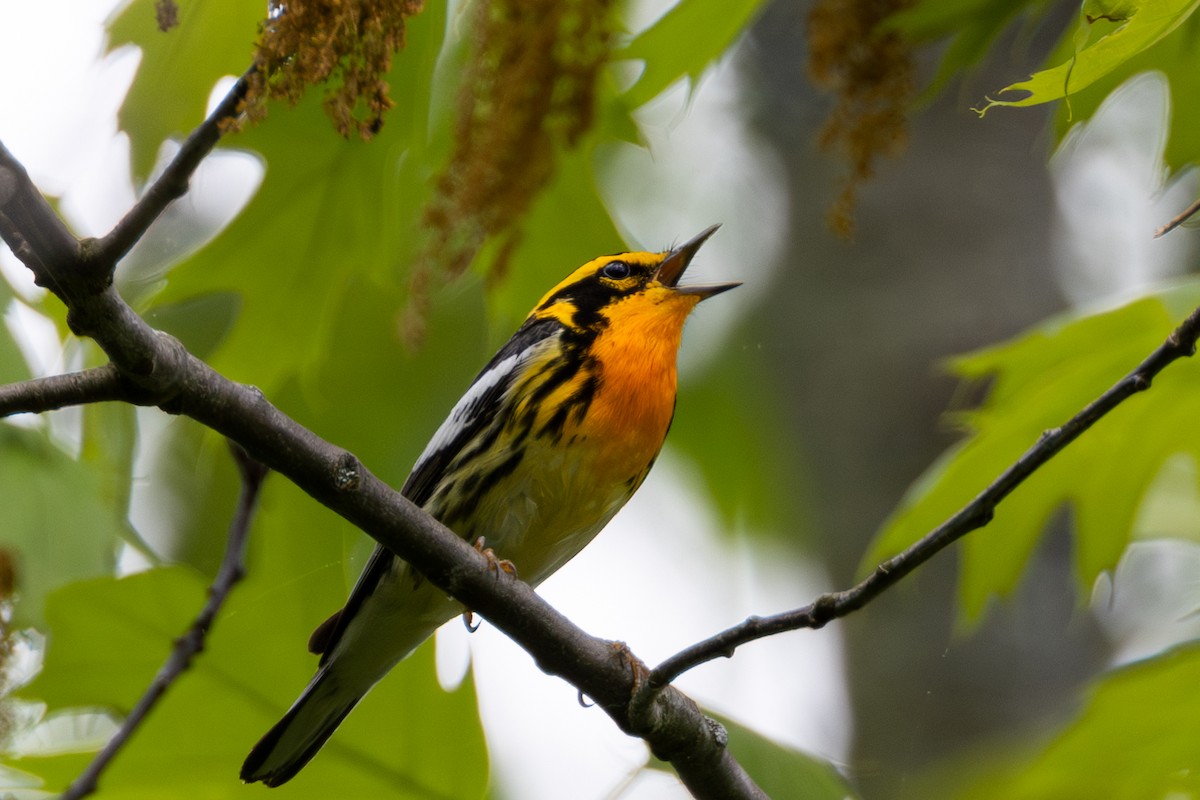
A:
<point x="191" y="643"/>
<point x="976" y="514"/>
<point x="158" y="370"/>
<point x="1178" y="220"/>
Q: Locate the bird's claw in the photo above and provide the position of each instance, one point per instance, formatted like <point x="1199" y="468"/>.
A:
<point x="636" y="666"/>
<point x="496" y="565"/>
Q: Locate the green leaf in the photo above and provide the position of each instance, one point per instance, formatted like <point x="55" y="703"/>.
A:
<point x="1040" y="380"/>
<point x="200" y="323"/>
<point x="929" y="20"/>
<point x="214" y="38"/>
<point x="328" y="209"/>
<point x="783" y="772"/>
<point x="1136" y="738"/>
<point x="399" y="396"/>
<point x="55" y="520"/>
<point x="12" y="364"/>
<point x="778" y="770"/>
<point x="683" y="42"/>
<point x="724" y="422"/>
<point x="1142" y="25"/>
<point x="109" y="637"/>
<point x="1175" y="57"/>
<point x="971" y="25"/>
<point x="108" y="447"/>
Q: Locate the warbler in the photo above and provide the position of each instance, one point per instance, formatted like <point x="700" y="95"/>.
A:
<point x="551" y="439"/>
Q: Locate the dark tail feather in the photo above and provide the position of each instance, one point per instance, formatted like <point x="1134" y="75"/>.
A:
<point x="304" y="729"/>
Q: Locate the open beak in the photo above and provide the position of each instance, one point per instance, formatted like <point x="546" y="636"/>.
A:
<point x="676" y="263"/>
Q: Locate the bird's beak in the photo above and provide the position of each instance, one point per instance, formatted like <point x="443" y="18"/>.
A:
<point x="676" y="263"/>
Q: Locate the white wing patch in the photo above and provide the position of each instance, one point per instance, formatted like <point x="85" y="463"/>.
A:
<point x="468" y="407"/>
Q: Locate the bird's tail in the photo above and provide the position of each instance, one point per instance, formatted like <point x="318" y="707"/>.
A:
<point x="296" y="738"/>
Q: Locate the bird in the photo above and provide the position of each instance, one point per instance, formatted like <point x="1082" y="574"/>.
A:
<point x="550" y="440"/>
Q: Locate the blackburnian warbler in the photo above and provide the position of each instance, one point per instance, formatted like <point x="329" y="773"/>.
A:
<point x="552" y="438"/>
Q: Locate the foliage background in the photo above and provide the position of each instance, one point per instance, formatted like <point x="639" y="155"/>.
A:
<point x="813" y="400"/>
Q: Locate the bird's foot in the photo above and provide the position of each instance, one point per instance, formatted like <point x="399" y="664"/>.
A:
<point x="637" y="667"/>
<point x="496" y="565"/>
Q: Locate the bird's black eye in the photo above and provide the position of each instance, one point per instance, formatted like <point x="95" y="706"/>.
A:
<point x="616" y="270"/>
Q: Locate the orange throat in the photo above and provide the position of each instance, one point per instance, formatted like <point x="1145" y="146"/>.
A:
<point x="637" y="352"/>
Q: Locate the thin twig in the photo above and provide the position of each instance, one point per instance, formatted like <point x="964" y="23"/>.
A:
<point x="36" y="396"/>
<point x="172" y="183"/>
<point x="1178" y="220"/>
<point x="191" y="643"/>
<point x="1180" y="344"/>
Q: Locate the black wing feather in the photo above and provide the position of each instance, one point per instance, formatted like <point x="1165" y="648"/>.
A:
<point x="427" y="472"/>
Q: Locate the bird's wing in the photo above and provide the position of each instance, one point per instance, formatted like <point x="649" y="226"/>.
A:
<point x="474" y="411"/>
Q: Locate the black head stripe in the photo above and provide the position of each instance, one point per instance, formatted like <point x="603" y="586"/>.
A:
<point x="589" y="295"/>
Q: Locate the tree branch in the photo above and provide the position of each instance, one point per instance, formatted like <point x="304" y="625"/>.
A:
<point x="174" y="181"/>
<point x="976" y="514"/>
<point x="191" y="643"/>
<point x="58" y="391"/>
<point x="1178" y="219"/>
<point x="158" y="370"/>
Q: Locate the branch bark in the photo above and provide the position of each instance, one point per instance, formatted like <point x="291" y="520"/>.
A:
<point x="976" y="514"/>
<point x="155" y="369"/>
<point x="59" y="391"/>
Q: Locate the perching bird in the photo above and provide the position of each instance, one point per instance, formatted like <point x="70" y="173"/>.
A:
<point x="551" y="439"/>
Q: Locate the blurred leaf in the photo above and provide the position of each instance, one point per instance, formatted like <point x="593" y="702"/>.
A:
<point x="12" y="364"/>
<point x="54" y="520"/>
<point x="727" y="422"/>
<point x="971" y="25"/>
<point x="1136" y="738"/>
<point x="778" y="770"/>
<point x="195" y="487"/>
<point x="108" y="446"/>
<point x="109" y="637"/>
<point x="927" y="20"/>
<point x="379" y="399"/>
<point x="200" y="323"/>
<point x="1177" y="57"/>
<point x="1141" y="25"/>
<point x="683" y="42"/>
<point x="214" y="38"/>
<point x="1040" y="380"/>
